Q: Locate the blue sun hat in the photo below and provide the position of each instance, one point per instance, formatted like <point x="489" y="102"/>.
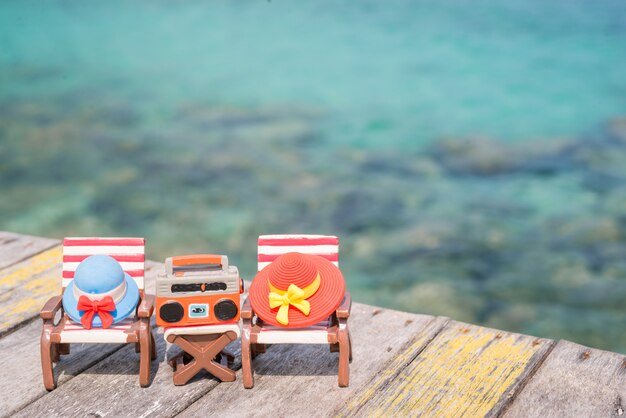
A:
<point x="101" y="293"/>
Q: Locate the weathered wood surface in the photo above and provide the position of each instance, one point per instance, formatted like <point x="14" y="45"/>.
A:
<point x="306" y="375"/>
<point x="17" y="247"/>
<point x="575" y="381"/>
<point x="465" y="371"/>
<point x="17" y="393"/>
<point x="21" y="366"/>
<point x="404" y="364"/>
<point x="27" y="285"/>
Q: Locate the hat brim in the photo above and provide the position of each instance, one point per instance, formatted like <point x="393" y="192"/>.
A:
<point x="323" y="303"/>
<point x="123" y="309"/>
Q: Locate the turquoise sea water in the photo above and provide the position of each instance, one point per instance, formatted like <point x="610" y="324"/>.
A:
<point x="470" y="155"/>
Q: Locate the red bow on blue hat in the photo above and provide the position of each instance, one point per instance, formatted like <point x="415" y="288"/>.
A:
<point x="92" y="307"/>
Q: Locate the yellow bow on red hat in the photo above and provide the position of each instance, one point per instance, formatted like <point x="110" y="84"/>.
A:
<point x="293" y="296"/>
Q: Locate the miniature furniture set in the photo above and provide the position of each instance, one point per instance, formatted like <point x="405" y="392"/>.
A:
<point x="297" y="297"/>
<point x="198" y="305"/>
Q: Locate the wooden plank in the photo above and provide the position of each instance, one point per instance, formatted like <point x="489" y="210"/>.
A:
<point x="111" y="388"/>
<point x="306" y="375"/>
<point x="404" y="364"/>
<point x="17" y="247"/>
<point x="574" y="381"/>
<point x="27" y="285"/>
<point x="465" y="371"/>
<point x="20" y="359"/>
<point x="116" y="376"/>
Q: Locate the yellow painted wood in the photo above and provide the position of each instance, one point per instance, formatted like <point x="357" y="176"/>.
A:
<point x="17" y="247"/>
<point x="26" y="286"/>
<point x="465" y="371"/>
<point x="25" y="270"/>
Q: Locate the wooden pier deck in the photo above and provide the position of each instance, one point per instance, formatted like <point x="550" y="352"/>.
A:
<point x="404" y="365"/>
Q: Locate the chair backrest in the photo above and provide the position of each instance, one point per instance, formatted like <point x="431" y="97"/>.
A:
<point x="129" y="252"/>
<point x="272" y="246"/>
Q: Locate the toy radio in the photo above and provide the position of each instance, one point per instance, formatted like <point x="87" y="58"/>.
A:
<point x="199" y="289"/>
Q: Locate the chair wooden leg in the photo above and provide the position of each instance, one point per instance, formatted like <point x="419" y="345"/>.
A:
<point x="246" y="360"/>
<point x="350" y="344"/>
<point x="144" y="354"/>
<point x="253" y="352"/>
<point x="54" y="353"/>
<point x="46" y="359"/>
<point x="64" y="349"/>
<point x="137" y="348"/>
<point x="344" y="358"/>
<point x="153" y="353"/>
<point x="228" y="355"/>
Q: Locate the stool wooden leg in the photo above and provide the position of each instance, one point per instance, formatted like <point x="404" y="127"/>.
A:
<point x="222" y="373"/>
<point x="214" y="350"/>
<point x="172" y="361"/>
<point x="184" y="372"/>
<point x="203" y="351"/>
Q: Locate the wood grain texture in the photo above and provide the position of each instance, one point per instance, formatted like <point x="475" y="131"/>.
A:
<point x="465" y="371"/>
<point x="404" y="364"/>
<point x="306" y="375"/>
<point x="574" y="381"/>
<point x="21" y="367"/>
<point x="17" y="247"/>
<point x="110" y="387"/>
<point x="26" y="286"/>
<point x="113" y="378"/>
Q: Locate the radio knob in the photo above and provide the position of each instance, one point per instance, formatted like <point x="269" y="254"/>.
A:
<point x="225" y="310"/>
<point x="172" y="312"/>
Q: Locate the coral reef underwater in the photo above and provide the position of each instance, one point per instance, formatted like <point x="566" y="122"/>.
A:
<point x="528" y="236"/>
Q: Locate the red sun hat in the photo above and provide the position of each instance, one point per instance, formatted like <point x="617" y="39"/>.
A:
<point x="297" y="290"/>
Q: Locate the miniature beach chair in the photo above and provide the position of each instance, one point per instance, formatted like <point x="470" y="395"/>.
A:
<point x="56" y="338"/>
<point x="333" y="331"/>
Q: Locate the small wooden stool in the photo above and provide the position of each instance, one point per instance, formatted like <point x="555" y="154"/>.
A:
<point x="203" y="348"/>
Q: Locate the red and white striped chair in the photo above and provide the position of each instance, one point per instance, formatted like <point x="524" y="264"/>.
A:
<point x="56" y="338"/>
<point x="334" y="330"/>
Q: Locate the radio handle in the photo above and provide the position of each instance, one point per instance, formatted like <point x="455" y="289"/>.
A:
<point x="186" y="260"/>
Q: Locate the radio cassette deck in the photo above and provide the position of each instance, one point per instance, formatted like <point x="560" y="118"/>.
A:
<point x="200" y="289"/>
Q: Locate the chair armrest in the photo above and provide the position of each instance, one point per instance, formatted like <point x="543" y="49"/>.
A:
<point x="246" y="309"/>
<point x="51" y="307"/>
<point x="146" y="307"/>
<point x="343" y="311"/>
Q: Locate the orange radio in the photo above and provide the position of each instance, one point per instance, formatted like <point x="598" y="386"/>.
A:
<point x="198" y="289"/>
